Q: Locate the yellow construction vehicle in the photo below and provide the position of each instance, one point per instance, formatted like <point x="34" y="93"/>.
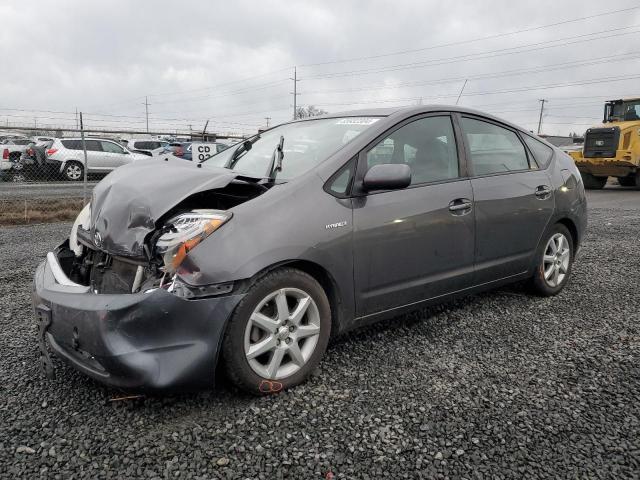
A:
<point x="612" y="149"/>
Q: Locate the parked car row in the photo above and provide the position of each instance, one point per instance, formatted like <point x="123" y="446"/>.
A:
<point x="45" y="158"/>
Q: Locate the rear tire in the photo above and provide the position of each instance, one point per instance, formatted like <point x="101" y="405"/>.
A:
<point x="554" y="261"/>
<point x="592" y="182"/>
<point x="73" y="171"/>
<point x="278" y="333"/>
<point x="629" y="181"/>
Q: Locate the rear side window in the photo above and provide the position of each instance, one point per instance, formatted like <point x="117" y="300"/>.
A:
<point x="541" y="153"/>
<point x="92" y="145"/>
<point x="493" y="149"/>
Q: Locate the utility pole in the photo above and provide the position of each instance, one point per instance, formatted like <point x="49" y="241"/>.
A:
<point x="146" y="109"/>
<point x="85" y="167"/>
<point x="542" y="102"/>
<point x="267" y="120"/>
<point x="77" y="118"/>
<point x="461" y="90"/>
<point x="295" y="93"/>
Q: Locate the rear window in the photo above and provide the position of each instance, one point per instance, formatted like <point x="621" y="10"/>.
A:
<point x="146" y="145"/>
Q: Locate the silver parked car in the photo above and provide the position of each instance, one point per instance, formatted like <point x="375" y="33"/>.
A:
<point x="312" y="228"/>
<point x="103" y="156"/>
<point x="147" y="146"/>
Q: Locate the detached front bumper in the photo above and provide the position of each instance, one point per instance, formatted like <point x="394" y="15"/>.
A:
<point x="154" y="341"/>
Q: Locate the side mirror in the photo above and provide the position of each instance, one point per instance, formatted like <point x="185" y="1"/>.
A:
<point x="387" y="176"/>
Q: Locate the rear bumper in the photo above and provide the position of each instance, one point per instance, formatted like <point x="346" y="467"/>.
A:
<point x="145" y="341"/>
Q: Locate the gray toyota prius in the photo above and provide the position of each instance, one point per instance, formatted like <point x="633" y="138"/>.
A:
<point x="255" y="257"/>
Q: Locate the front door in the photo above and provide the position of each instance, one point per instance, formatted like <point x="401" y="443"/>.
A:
<point x="513" y="199"/>
<point x="114" y="154"/>
<point x="416" y="243"/>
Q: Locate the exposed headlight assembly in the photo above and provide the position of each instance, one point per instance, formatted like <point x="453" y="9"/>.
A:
<point x="82" y="220"/>
<point x="185" y="231"/>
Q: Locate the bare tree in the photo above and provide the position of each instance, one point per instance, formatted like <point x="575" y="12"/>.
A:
<point x="310" y="111"/>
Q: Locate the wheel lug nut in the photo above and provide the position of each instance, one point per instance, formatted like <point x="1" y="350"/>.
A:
<point x="292" y="328"/>
<point x="278" y="342"/>
<point x="288" y="340"/>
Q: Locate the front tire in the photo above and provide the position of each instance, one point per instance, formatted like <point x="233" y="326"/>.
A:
<point x="73" y="171"/>
<point x="278" y="333"/>
<point x="591" y="182"/>
<point x="554" y="261"/>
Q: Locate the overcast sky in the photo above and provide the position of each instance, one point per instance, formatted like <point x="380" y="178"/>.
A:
<point x="230" y="62"/>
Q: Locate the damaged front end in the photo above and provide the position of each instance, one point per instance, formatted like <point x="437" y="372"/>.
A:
<point x="126" y="241"/>
<point x="116" y="308"/>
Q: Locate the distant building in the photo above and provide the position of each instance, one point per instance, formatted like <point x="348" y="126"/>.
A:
<point x="559" y="141"/>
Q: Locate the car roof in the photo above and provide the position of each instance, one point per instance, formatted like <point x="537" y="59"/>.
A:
<point x="408" y="111"/>
<point x="87" y="138"/>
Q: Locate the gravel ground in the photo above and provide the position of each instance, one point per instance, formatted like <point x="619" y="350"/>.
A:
<point x="500" y="385"/>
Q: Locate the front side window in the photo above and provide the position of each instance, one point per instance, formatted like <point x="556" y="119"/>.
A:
<point x="112" y="147"/>
<point x="306" y="144"/>
<point x="427" y="145"/>
<point x="493" y="149"/>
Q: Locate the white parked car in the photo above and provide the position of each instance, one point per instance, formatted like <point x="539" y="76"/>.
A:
<point x="103" y="156"/>
<point x="147" y="145"/>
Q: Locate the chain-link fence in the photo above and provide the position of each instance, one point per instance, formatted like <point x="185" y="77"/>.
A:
<point x="48" y="176"/>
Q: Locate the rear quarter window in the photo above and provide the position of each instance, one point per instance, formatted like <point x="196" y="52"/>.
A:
<point x="72" y="144"/>
<point x="541" y="153"/>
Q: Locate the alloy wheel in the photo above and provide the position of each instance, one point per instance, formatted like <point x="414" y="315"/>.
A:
<point x="282" y="333"/>
<point x="555" y="263"/>
<point x="73" y="172"/>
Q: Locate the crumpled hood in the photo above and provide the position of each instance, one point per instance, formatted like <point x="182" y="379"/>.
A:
<point x="127" y="203"/>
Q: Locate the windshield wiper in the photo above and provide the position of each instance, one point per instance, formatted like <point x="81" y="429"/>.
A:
<point x="242" y="149"/>
<point x="276" y="161"/>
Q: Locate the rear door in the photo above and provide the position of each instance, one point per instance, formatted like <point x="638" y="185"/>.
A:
<point x="416" y="243"/>
<point x="513" y="199"/>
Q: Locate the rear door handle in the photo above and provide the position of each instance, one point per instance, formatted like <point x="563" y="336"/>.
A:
<point x="460" y="206"/>
<point x="542" y="192"/>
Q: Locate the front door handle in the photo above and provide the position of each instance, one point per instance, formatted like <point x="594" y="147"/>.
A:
<point x="460" y="206"/>
<point x="542" y="192"/>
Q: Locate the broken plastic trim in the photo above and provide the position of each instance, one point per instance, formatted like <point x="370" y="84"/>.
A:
<point x="183" y="290"/>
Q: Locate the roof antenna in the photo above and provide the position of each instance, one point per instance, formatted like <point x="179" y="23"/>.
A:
<point x="462" y="90"/>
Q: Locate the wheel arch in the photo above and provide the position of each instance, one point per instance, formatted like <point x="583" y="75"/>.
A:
<point x="573" y="230"/>
<point x="326" y="281"/>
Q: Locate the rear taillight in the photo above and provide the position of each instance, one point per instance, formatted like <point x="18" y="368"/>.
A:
<point x="179" y="152"/>
<point x="51" y="151"/>
<point x="5" y="154"/>
<point x="30" y="151"/>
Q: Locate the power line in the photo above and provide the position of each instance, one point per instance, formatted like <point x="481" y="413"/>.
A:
<point x="485" y="76"/>
<point x="494" y="92"/>
<point x="477" y="39"/>
<point x="481" y="55"/>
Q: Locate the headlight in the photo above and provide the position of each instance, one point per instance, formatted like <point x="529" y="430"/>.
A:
<point x="185" y="232"/>
<point x="83" y="219"/>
